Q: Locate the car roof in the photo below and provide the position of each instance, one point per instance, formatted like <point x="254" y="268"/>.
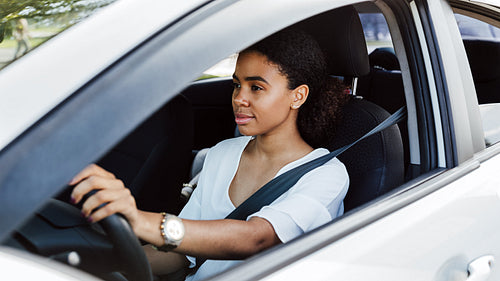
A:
<point x="56" y="69"/>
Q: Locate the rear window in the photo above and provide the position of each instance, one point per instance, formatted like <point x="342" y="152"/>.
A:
<point x="376" y="31"/>
<point x="471" y="28"/>
<point x="482" y="44"/>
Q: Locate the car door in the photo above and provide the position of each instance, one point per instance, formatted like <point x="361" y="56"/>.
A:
<point x="438" y="226"/>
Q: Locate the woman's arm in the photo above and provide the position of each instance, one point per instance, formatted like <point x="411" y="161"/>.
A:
<point x="164" y="263"/>
<point x="227" y="239"/>
<point x="216" y="239"/>
<point x="213" y="239"/>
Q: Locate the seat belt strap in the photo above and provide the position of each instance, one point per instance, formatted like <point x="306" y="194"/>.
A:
<point x="280" y="184"/>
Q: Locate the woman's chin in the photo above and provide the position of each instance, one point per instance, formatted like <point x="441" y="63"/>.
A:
<point x="246" y="131"/>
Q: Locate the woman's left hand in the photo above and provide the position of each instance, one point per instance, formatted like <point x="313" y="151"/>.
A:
<point x="111" y="196"/>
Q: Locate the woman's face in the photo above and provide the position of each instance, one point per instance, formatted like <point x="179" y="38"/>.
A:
<point x="261" y="98"/>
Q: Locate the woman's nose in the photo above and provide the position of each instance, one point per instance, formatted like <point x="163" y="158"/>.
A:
<point x="240" y="99"/>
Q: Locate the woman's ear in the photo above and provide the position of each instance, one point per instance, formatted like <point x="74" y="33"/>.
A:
<point x="299" y="96"/>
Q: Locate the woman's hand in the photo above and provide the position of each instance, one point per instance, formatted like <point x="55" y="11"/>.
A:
<point x="111" y="195"/>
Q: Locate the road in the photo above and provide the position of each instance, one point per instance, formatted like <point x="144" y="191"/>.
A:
<point x="6" y="55"/>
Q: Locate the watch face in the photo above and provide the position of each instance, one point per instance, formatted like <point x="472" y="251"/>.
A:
<point x="175" y="229"/>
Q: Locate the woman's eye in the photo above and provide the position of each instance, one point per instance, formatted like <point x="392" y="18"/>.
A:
<point x="236" y="85"/>
<point x="256" y="88"/>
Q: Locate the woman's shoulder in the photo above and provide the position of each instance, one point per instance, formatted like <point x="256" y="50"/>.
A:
<point x="334" y="168"/>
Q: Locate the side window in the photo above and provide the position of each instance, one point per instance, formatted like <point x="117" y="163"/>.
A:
<point x="224" y="68"/>
<point x="482" y="45"/>
<point x="471" y="28"/>
<point x="376" y="31"/>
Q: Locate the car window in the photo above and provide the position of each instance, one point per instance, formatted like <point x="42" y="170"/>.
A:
<point x="482" y="44"/>
<point x="223" y="68"/>
<point x="471" y="28"/>
<point x="24" y="25"/>
<point x="376" y="31"/>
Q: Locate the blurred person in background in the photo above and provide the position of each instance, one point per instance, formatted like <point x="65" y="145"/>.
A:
<point x="21" y="34"/>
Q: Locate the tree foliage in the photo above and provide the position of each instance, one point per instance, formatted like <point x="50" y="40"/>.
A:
<point x="12" y="9"/>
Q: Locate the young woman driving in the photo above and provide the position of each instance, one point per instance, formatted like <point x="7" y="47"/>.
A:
<point x="285" y="106"/>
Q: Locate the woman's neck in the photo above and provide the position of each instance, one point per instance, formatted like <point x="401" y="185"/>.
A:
<point x="280" y="147"/>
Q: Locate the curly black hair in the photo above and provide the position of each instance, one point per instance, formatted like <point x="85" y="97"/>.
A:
<point x="300" y="59"/>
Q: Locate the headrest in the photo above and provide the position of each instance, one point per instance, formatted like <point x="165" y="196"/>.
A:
<point x="483" y="59"/>
<point x="340" y="35"/>
<point x="385" y="58"/>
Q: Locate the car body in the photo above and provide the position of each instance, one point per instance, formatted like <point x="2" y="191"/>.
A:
<point x="75" y="98"/>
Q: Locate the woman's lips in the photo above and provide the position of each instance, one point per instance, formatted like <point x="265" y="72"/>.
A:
<point x="242" y="119"/>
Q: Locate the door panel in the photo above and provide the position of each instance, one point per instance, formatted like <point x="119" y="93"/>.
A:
<point x="434" y="238"/>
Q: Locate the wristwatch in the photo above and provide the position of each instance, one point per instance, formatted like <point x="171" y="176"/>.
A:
<point x="172" y="230"/>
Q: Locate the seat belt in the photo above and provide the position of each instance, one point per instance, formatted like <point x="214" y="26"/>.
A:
<point x="280" y="184"/>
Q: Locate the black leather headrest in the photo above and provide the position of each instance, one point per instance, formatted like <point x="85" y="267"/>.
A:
<point x="483" y="59"/>
<point x="385" y="58"/>
<point x="340" y="35"/>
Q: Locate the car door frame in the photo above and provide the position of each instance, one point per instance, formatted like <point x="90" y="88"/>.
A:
<point x="463" y="153"/>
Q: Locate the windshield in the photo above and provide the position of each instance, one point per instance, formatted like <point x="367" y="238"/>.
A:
<point x="26" y="24"/>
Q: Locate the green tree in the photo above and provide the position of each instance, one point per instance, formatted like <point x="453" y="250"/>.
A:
<point x="12" y="9"/>
<point x="48" y="12"/>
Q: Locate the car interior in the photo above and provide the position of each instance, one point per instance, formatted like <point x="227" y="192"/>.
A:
<point x="157" y="157"/>
<point x="486" y="75"/>
<point x="164" y="145"/>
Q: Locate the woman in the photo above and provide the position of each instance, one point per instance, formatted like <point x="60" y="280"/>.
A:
<point x="21" y="33"/>
<point x="285" y="106"/>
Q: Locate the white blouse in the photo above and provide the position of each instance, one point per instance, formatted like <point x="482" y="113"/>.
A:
<point x="314" y="200"/>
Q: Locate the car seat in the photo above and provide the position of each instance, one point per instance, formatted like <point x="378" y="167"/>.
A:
<point x="384" y="58"/>
<point x="384" y="87"/>
<point x="375" y="165"/>
<point x="153" y="161"/>
<point x="384" y="84"/>
<point x="483" y="58"/>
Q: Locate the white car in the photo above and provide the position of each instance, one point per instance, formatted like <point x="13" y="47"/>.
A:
<point x="120" y="87"/>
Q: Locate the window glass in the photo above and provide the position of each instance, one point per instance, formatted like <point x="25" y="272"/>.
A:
<point x="471" y="28"/>
<point x="24" y="25"/>
<point x="376" y="31"/>
<point x="490" y="113"/>
<point x="482" y="45"/>
<point x="224" y="68"/>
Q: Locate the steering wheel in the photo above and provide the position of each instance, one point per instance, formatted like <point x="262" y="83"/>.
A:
<point x="125" y="242"/>
<point x="106" y="247"/>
